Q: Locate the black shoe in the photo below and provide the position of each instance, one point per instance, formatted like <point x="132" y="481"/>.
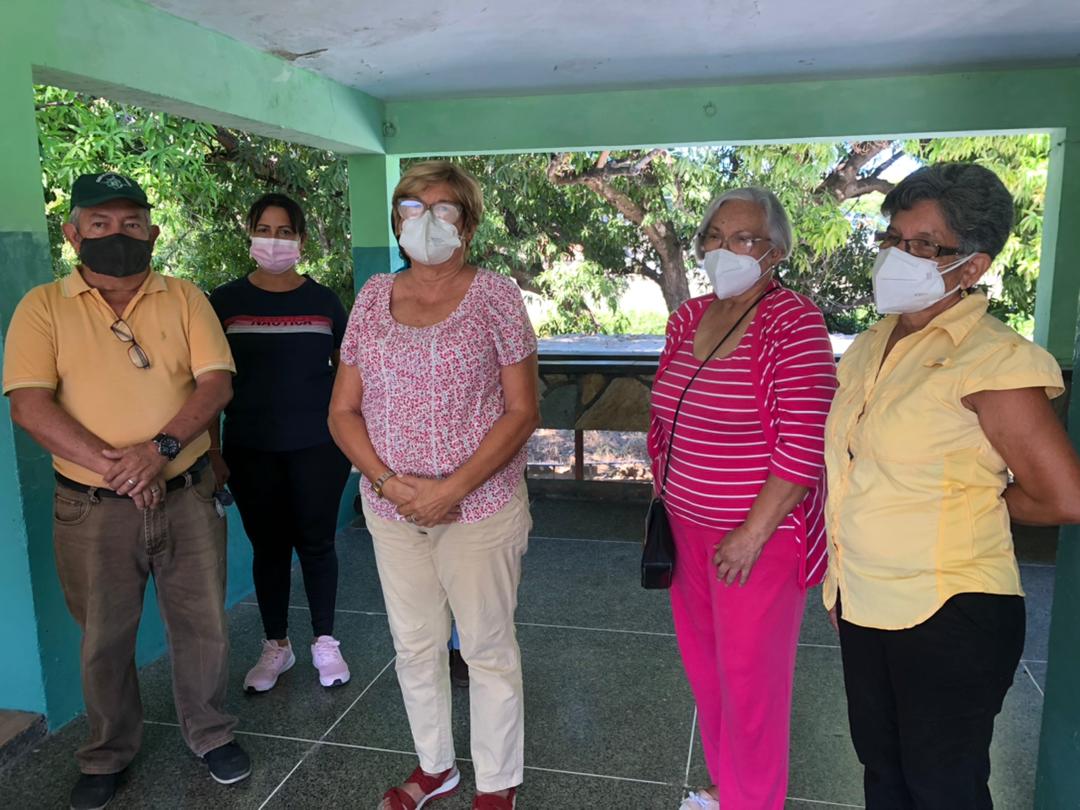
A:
<point x="94" y="790"/>
<point x="459" y="670"/>
<point x="228" y="763"/>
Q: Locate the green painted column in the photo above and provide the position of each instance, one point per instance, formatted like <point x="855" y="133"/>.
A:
<point x="1057" y="781"/>
<point x="1058" y="290"/>
<point x="371" y="184"/>
<point x="1058" y="777"/>
<point x="39" y="669"/>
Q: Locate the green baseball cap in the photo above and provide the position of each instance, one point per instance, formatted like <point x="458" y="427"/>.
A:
<point x="94" y="189"/>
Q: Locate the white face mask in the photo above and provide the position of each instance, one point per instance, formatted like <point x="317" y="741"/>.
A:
<point x="904" y="283"/>
<point x="730" y="273"/>
<point x="428" y="239"/>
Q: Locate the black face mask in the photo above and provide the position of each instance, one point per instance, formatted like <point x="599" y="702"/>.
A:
<point x="117" y="255"/>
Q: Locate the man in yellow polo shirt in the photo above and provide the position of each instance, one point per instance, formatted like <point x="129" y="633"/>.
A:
<point x="117" y="371"/>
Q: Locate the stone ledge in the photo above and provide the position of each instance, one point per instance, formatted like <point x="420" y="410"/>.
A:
<point x="19" y="732"/>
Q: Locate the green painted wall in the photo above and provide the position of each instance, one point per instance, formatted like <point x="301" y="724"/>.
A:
<point x="940" y="104"/>
<point x="1057" y="780"/>
<point x="372" y="179"/>
<point x="21" y="679"/>
<point x="33" y="671"/>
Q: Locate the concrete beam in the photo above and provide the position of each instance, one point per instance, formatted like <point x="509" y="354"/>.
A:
<point x="941" y="104"/>
<point x="129" y="51"/>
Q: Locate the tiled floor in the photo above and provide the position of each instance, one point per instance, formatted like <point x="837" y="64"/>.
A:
<point x="610" y="722"/>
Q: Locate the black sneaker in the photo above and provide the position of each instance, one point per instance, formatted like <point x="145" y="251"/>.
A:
<point x="94" y="790"/>
<point x="459" y="670"/>
<point x="228" y="763"/>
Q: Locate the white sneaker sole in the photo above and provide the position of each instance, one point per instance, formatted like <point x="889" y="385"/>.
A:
<point x="254" y="690"/>
<point x="232" y="781"/>
<point x="337" y="680"/>
<point x="446" y="787"/>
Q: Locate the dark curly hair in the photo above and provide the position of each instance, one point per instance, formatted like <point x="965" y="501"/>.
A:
<point x="975" y="203"/>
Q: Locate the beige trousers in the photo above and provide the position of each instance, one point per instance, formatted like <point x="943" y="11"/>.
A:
<point x="106" y="549"/>
<point x="471" y="570"/>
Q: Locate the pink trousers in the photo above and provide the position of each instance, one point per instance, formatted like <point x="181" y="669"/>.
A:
<point x="738" y="646"/>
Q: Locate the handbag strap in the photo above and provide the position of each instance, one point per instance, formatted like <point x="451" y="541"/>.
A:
<point x="708" y="357"/>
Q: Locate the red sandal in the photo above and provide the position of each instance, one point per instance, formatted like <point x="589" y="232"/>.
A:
<point x="493" y="801"/>
<point x="434" y="787"/>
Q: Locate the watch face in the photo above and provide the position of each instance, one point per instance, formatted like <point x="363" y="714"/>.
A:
<point x="168" y="446"/>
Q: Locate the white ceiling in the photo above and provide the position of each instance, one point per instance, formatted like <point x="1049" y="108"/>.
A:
<point x="425" y="49"/>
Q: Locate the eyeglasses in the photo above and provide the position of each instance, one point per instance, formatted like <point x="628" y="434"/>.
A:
<point x="135" y="352"/>
<point x="741" y="243"/>
<point x="923" y="248"/>
<point x="411" y="208"/>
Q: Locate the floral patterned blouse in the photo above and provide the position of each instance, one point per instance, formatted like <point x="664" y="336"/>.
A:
<point x="432" y="393"/>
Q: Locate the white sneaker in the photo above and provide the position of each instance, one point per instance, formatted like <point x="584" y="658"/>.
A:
<point x="274" y="660"/>
<point x="699" y="800"/>
<point x="325" y="655"/>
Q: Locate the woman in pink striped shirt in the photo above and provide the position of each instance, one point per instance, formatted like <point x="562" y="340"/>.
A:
<point x="753" y="368"/>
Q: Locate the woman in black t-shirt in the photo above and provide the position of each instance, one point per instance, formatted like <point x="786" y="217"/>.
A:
<point x="278" y="457"/>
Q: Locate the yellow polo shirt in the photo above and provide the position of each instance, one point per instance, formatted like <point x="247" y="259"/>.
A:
<point x="60" y="338"/>
<point x="915" y="512"/>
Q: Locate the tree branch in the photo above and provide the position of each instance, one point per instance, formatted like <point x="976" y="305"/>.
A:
<point x="866" y="185"/>
<point x="662" y="235"/>
<point x="842" y="182"/>
<point x="559" y="168"/>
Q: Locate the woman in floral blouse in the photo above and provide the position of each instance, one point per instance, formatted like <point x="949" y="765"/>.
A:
<point x="434" y="402"/>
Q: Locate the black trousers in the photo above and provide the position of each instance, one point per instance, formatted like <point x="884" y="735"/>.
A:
<point x="290" y="500"/>
<point x="922" y="701"/>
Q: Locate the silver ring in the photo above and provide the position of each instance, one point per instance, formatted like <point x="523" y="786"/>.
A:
<point x="132" y="481"/>
<point x="154" y="490"/>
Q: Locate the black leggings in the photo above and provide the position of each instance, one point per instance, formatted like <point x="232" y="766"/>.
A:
<point x="290" y="500"/>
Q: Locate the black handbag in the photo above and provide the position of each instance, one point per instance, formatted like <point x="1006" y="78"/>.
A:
<point x="658" y="551"/>
<point x="658" y="547"/>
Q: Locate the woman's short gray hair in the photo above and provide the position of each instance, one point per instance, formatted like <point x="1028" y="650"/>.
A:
<point x="776" y="218"/>
<point x="975" y="203"/>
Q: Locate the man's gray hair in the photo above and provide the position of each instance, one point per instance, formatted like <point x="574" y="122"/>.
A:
<point x="776" y="218"/>
<point x="73" y="217"/>
<point x="975" y="203"/>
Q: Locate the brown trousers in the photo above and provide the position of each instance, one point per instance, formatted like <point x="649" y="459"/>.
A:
<point x="106" y="548"/>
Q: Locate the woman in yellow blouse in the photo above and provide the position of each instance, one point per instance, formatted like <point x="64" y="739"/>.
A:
<point x="937" y="402"/>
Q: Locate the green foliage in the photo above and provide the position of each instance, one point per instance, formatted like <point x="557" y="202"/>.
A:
<point x="201" y="178"/>
<point x="582" y="288"/>
<point x="533" y="226"/>
<point x="575" y="241"/>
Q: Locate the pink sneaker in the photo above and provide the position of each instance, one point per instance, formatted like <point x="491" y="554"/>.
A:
<point x="274" y="660"/>
<point x="325" y="655"/>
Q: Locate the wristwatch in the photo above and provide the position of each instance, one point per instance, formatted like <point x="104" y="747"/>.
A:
<point x="378" y="483"/>
<point x="168" y="446"/>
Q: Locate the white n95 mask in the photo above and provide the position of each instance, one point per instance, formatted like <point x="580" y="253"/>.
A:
<point x="904" y="283"/>
<point x="730" y="273"/>
<point x="428" y="240"/>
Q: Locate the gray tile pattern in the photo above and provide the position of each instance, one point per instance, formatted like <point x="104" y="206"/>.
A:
<point x="609" y="717"/>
